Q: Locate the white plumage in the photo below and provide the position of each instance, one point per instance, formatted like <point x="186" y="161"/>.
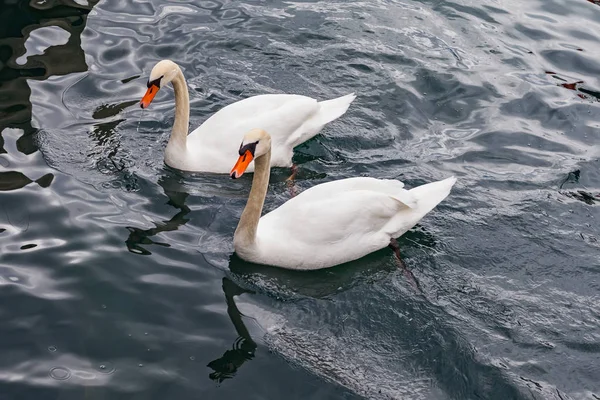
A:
<point x="331" y="223"/>
<point x="291" y="120"/>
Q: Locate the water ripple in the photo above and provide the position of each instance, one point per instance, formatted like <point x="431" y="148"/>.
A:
<point x="116" y="271"/>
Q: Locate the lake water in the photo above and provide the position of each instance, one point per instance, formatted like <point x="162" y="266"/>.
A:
<point x="117" y="278"/>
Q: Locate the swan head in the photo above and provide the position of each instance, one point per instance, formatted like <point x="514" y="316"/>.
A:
<point x="163" y="72"/>
<point x="256" y="143"/>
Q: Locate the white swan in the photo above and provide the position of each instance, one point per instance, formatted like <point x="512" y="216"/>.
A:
<point x="291" y="119"/>
<point x="328" y="224"/>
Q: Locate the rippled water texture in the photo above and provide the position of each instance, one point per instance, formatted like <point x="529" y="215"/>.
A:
<point x="117" y="279"/>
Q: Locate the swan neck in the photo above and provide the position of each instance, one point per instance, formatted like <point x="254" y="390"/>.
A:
<point x="182" y="113"/>
<point x="245" y="234"/>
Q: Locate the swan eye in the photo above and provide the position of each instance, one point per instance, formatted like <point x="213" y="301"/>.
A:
<point x="155" y="82"/>
<point x="250" y="146"/>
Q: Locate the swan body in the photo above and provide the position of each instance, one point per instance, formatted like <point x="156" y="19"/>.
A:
<point x="290" y="119"/>
<point x="331" y="223"/>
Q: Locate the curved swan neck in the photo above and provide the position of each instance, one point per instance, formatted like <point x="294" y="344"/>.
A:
<point x="182" y="113"/>
<point x="245" y="234"/>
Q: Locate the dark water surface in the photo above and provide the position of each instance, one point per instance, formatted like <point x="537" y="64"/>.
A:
<point x="117" y="279"/>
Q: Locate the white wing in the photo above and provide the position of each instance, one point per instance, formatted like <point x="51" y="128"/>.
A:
<point x="341" y="221"/>
<point x="288" y="118"/>
<point x="326" y="232"/>
<point x="281" y="115"/>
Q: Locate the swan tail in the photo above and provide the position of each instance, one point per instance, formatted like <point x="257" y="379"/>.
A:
<point x="425" y="198"/>
<point x="328" y="111"/>
<point x="431" y="194"/>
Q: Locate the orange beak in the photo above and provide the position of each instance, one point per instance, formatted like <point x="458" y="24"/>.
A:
<point x="150" y="93"/>
<point x="241" y="164"/>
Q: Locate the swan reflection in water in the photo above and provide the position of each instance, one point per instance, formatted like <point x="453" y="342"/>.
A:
<point x="290" y="285"/>
<point x="271" y="280"/>
<point x="177" y="198"/>
<point x="243" y="347"/>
